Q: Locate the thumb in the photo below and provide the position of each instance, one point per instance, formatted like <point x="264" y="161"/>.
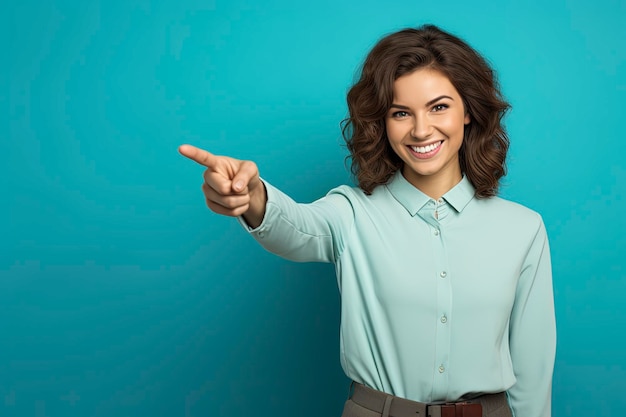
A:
<point x="246" y="176"/>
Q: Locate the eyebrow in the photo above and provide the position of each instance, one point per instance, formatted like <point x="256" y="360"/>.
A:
<point x="430" y="103"/>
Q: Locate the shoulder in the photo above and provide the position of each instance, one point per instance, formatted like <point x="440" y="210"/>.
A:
<point x="357" y="197"/>
<point x="351" y="193"/>
<point x="509" y="214"/>
<point x="508" y="208"/>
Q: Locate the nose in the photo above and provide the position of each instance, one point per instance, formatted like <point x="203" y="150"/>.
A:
<point x="422" y="127"/>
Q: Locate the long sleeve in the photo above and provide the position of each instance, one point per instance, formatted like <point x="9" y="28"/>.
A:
<point x="532" y="334"/>
<point x="312" y="232"/>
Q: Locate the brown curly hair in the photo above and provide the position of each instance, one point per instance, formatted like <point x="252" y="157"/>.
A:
<point x="485" y="143"/>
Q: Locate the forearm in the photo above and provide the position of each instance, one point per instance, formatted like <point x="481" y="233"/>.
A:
<point x="301" y="232"/>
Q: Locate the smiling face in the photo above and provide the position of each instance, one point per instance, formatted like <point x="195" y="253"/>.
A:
<point x="425" y="126"/>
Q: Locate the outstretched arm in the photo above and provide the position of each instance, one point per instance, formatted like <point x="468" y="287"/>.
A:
<point x="300" y="232"/>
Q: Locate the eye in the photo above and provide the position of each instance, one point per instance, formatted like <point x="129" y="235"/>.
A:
<point x="440" y="107"/>
<point x="399" y="114"/>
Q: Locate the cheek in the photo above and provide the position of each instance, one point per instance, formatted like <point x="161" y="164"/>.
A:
<point x="455" y="125"/>
<point x="394" y="131"/>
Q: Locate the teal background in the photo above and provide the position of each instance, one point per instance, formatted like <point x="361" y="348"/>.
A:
<point x="122" y="295"/>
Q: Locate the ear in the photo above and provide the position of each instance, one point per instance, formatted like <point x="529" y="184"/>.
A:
<point x="467" y="118"/>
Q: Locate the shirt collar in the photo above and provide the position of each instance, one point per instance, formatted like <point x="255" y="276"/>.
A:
<point x="460" y="195"/>
<point x="413" y="199"/>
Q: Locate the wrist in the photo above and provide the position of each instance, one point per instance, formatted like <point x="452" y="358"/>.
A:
<point x="256" y="211"/>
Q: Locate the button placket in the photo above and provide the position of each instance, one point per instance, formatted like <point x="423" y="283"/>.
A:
<point x="442" y="293"/>
<point x="444" y="306"/>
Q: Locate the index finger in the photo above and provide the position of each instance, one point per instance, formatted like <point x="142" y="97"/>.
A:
<point x="198" y="155"/>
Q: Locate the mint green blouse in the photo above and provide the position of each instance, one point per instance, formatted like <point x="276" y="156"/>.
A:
<point x="440" y="300"/>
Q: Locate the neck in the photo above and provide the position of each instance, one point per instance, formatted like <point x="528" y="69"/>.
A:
<point x="435" y="186"/>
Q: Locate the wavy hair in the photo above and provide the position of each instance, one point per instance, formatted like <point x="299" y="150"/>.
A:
<point x="485" y="143"/>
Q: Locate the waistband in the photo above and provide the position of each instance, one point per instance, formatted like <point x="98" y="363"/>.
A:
<point x="391" y="406"/>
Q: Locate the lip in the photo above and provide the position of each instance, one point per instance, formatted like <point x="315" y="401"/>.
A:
<point x="426" y="155"/>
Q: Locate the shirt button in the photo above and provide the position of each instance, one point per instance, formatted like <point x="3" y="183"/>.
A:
<point x="444" y="319"/>
<point x="261" y="234"/>
<point x="441" y="369"/>
<point x="443" y="274"/>
<point x="436" y="232"/>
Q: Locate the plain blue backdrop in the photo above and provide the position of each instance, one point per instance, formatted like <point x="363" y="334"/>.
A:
<point x="122" y="295"/>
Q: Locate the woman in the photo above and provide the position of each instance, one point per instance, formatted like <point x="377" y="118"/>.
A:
<point x="446" y="289"/>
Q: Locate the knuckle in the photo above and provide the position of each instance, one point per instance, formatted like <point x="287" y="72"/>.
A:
<point x="240" y="210"/>
<point x="223" y="188"/>
<point x="230" y="202"/>
<point x="250" y="166"/>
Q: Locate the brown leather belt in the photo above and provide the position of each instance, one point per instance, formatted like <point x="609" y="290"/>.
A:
<point x="389" y="405"/>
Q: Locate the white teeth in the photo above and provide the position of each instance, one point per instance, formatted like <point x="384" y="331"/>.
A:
<point x="425" y="149"/>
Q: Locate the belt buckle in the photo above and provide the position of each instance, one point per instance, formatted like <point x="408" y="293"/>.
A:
<point x="462" y="409"/>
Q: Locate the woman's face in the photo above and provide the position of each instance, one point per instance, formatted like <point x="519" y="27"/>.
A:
<point x="425" y="127"/>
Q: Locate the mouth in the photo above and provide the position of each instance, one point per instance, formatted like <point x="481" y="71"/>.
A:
<point x="424" y="152"/>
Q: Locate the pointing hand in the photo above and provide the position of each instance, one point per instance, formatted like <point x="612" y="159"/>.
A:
<point x="231" y="186"/>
